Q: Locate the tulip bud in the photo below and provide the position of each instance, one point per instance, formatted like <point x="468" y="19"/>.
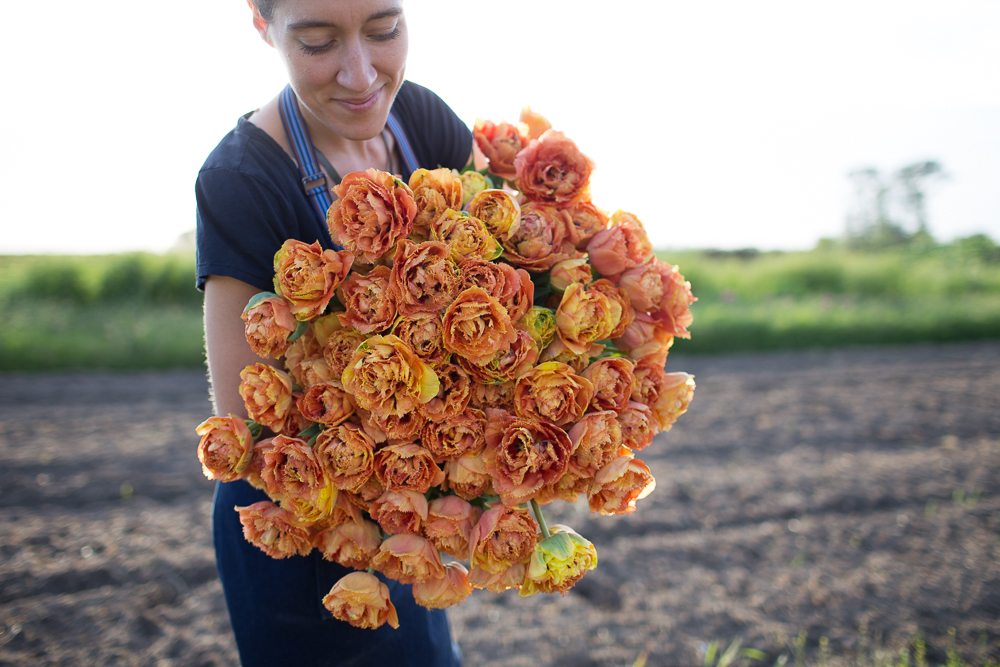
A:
<point x="473" y="182"/>
<point x="541" y="324"/>
<point x="558" y="562"/>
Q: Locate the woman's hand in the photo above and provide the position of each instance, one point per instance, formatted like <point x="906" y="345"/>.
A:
<point x="225" y="341"/>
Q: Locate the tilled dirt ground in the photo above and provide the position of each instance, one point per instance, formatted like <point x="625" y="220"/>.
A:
<point x="850" y="495"/>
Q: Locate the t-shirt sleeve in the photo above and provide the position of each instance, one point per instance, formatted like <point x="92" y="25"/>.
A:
<point x="441" y="138"/>
<point x="239" y="227"/>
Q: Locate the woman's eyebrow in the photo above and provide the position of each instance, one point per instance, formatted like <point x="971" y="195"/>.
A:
<point x="307" y="24"/>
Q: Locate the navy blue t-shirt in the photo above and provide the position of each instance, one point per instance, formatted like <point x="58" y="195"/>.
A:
<point x="250" y="198"/>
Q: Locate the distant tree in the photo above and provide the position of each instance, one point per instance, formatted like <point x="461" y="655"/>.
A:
<point x="869" y="200"/>
<point x="912" y="180"/>
<point x="871" y="223"/>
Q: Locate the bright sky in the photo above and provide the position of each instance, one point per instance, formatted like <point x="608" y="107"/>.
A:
<point x="720" y="123"/>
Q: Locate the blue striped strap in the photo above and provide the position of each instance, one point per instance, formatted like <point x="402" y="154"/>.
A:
<point x="313" y="180"/>
<point x="404" y="144"/>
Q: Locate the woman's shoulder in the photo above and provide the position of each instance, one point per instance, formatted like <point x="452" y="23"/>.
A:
<point x="438" y="135"/>
<point x="421" y="104"/>
<point x="250" y="151"/>
<point x="413" y="94"/>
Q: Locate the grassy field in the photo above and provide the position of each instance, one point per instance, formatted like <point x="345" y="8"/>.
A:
<point x="111" y="311"/>
<point x="142" y="311"/>
<point x="763" y="301"/>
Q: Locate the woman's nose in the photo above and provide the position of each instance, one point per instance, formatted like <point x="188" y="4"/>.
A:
<point x="357" y="73"/>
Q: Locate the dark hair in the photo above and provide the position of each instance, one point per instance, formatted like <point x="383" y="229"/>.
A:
<point x="266" y="8"/>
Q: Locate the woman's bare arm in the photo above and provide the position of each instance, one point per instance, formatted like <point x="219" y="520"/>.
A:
<point x="225" y="343"/>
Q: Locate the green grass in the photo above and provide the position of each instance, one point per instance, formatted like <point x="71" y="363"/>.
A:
<point x="839" y="320"/>
<point x="140" y="310"/>
<point x="140" y="277"/>
<point x="134" y="310"/>
<point x="765" y="301"/>
<point x="945" y="271"/>
<point x="124" y="335"/>
<point x="868" y="652"/>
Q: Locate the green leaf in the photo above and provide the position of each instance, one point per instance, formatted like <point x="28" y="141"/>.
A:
<point x="311" y="432"/>
<point x="710" y="652"/>
<point x="610" y="350"/>
<point x="255" y="428"/>
<point x="300" y="329"/>
<point x="497" y="250"/>
<point x="257" y="298"/>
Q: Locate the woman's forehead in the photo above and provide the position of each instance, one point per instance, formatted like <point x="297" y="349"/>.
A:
<point x="343" y="13"/>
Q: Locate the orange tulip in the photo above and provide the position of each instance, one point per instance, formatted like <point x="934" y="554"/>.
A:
<point x="400" y="511"/>
<point x="373" y="211"/>
<point x="269" y="323"/>
<point x="499" y="143"/>
<point x="325" y="404"/>
<point x="363" y="601"/>
<point x="619" y="485"/>
<point x="623" y="245"/>
<point x="350" y="544"/>
<point x="306" y="275"/>
<point x="347" y="454"/>
<point x="226" y="447"/>
<point x="552" y="169"/>
<point x="434" y="191"/>
<point x="386" y="377"/>
<point x="424" y="277"/>
<point x="446" y="591"/>
<point x="477" y="327"/>
<point x="613" y="380"/>
<point x="408" y="559"/>
<point x="369" y="302"/>
<point x="502" y="537"/>
<point x="585" y="316"/>
<point x="273" y="530"/>
<point x="408" y="467"/>
<point x="551" y="391"/>
<point x="523" y="456"/>
<point x="267" y="395"/>
<point x="449" y="522"/>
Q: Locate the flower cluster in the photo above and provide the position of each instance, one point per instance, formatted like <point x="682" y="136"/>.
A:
<point x="483" y="343"/>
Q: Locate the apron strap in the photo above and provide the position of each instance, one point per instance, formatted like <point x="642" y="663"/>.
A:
<point x="313" y="180"/>
<point x="409" y="157"/>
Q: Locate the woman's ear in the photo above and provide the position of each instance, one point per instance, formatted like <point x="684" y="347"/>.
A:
<point x="260" y="23"/>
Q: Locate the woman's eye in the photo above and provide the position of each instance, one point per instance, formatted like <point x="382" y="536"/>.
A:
<point x="314" y="49"/>
<point x="386" y="36"/>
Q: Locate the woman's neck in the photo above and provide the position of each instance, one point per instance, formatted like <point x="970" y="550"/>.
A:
<point x="346" y="155"/>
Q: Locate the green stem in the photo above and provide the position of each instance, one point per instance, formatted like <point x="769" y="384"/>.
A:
<point x="311" y="434"/>
<point x="540" y="518"/>
<point x="255" y="428"/>
<point x="300" y="329"/>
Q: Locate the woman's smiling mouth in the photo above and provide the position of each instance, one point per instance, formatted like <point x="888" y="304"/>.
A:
<point x="362" y="103"/>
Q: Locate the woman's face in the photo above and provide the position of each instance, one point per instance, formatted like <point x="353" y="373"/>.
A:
<point x="345" y="58"/>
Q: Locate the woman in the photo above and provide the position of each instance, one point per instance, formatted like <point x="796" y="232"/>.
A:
<point x="347" y="108"/>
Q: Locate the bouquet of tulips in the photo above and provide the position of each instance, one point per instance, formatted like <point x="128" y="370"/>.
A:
<point x="483" y="344"/>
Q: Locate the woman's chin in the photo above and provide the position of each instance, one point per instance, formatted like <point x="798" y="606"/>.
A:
<point x="356" y="125"/>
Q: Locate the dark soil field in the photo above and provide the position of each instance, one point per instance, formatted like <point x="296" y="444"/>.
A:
<point x="849" y="498"/>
